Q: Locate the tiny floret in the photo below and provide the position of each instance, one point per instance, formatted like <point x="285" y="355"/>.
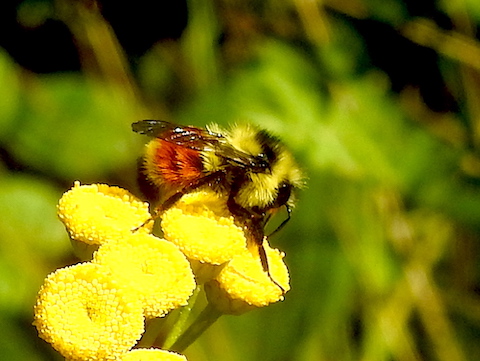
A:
<point x="243" y="285"/>
<point x="95" y="213"/>
<point x="96" y="311"/>
<point x="158" y="273"/>
<point x="85" y="315"/>
<point x="202" y="227"/>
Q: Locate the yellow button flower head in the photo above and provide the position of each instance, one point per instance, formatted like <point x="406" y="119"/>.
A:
<point x="243" y="284"/>
<point x="96" y="213"/>
<point x="155" y="269"/>
<point x="203" y="228"/>
<point x="83" y="313"/>
<point x="152" y="354"/>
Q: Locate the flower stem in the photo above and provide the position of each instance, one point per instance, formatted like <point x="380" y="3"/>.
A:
<point x="204" y="320"/>
<point x="179" y="326"/>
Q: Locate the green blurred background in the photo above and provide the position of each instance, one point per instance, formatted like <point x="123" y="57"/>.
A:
<point x="379" y="101"/>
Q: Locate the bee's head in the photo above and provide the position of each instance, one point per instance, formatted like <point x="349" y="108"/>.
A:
<point x="271" y="174"/>
<point x="260" y="164"/>
<point x="271" y="183"/>
<point x="284" y="193"/>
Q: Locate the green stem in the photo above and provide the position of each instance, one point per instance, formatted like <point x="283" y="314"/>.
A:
<point x="204" y="320"/>
<point x="179" y="326"/>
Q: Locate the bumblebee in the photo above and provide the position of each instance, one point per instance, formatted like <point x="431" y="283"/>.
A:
<point x="252" y="168"/>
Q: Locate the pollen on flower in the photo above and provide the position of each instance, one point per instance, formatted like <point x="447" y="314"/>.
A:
<point x="201" y="226"/>
<point x="83" y="313"/>
<point x="243" y="285"/>
<point x="152" y="354"/>
<point x="98" y="212"/>
<point x="155" y="269"/>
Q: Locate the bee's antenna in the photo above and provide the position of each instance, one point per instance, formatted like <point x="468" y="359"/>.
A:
<point x="289" y="212"/>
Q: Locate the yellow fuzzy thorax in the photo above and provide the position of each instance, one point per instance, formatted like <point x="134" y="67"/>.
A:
<point x="262" y="189"/>
<point x="244" y="137"/>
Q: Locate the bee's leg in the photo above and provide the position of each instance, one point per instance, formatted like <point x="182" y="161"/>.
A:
<point x="250" y="220"/>
<point x="213" y="178"/>
<point x="252" y="223"/>
<point x="241" y="213"/>
<point x="255" y="230"/>
<point x="169" y="202"/>
<point x="266" y="268"/>
<point x="150" y="219"/>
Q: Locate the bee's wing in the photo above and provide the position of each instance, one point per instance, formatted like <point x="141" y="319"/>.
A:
<point x="152" y="128"/>
<point x="200" y="139"/>
<point x="185" y="136"/>
<point x="238" y="158"/>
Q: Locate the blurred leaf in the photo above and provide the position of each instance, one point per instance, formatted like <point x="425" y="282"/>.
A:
<point x="390" y="11"/>
<point x="156" y="74"/>
<point x="344" y="57"/>
<point x="31" y="239"/>
<point x="33" y="13"/>
<point x="74" y="128"/>
<point x="9" y="92"/>
<point x="277" y="91"/>
<point x="15" y="344"/>
<point x="473" y="8"/>
<point x="198" y="43"/>
<point x="470" y="7"/>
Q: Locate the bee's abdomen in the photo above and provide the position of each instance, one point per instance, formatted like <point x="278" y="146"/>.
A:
<point x="173" y="165"/>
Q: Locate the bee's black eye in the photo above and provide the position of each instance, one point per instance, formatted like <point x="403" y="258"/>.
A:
<point x="262" y="162"/>
<point x="259" y="164"/>
<point x="283" y="195"/>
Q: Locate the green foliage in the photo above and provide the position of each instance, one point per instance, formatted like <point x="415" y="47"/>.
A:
<point x="9" y="92"/>
<point x="83" y="128"/>
<point x="31" y="240"/>
<point x="383" y="245"/>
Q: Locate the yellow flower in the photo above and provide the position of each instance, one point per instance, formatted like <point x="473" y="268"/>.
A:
<point x="243" y="284"/>
<point x="86" y="315"/>
<point x="155" y="269"/>
<point x="152" y="354"/>
<point x="96" y="213"/>
<point x="201" y="226"/>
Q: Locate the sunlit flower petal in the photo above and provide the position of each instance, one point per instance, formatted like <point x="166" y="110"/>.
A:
<point x="98" y="212"/>
<point x="155" y="269"/>
<point x="243" y="285"/>
<point x="86" y="315"/>
<point x="201" y="226"/>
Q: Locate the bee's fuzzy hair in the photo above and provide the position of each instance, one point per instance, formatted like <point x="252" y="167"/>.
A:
<point x="262" y="191"/>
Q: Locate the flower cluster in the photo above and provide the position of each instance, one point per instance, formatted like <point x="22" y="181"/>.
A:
<point x="97" y="310"/>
